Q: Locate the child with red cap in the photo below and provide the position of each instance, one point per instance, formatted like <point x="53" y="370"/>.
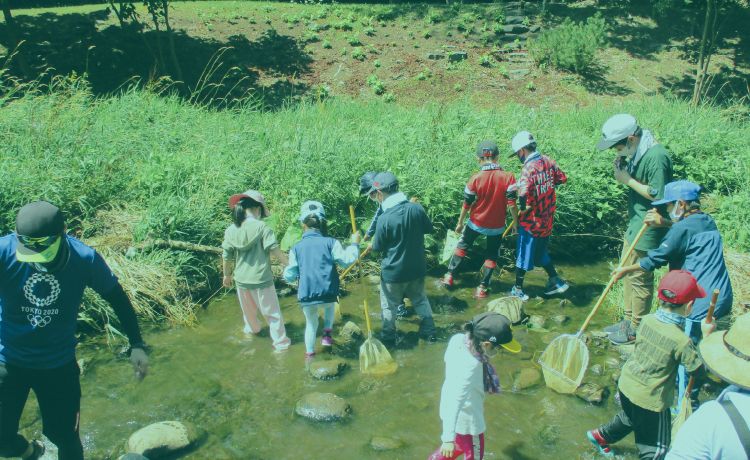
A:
<point x="646" y="385"/>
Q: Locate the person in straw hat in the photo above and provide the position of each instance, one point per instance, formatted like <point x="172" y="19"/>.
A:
<point x="718" y="430"/>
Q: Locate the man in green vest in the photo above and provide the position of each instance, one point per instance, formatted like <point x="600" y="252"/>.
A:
<point x="644" y="166"/>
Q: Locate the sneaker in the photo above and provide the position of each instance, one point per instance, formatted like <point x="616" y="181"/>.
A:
<point x="447" y="280"/>
<point x="519" y="293"/>
<point x="401" y="311"/>
<point x="326" y="339"/>
<point x="481" y="292"/>
<point x="431" y="340"/>
<point x="558" y="287"/>
<point x="623" y="336"/>
<point x="599" y="442"/>
<point x="622" y="324"/>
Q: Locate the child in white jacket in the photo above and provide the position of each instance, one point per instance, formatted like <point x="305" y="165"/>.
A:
<point x="468" y="376"/>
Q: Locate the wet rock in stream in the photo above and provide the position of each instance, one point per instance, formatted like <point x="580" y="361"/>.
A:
<point x="381" y="443"/>
<point x="528" y="378"/>
<point x="444" y="304"/>
<point x="599" y="334"/>
<point x="538" y="321"/>
<point x="548" y="435"/>
<point x="613" y="363"/>
<point x="322" y="407"/>
<point x="326" y="370"/>
<point x="351" y="331"/>
<point x="132" y="457"/>
<point x="163" y="438"/>
<point x="597" y="369"/>
<point x="593" y="393"/>
<point x="561" y="319"/>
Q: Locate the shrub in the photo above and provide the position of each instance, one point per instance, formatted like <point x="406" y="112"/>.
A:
<point x="327" y="44"/>
<point x="389" y="97"/>
<point x="358" y="54"/>
<point x="486" y="60"/>
<point x="343" y="25"/>
<point x="426" y="34"/>
<point x="353" y="40"/>
<point x="310" y="37"/>
<point x="571" y="46"/>
<point x="376" y="63"/>
<point x="369" y="31"/>
<point x="377" y="86"/>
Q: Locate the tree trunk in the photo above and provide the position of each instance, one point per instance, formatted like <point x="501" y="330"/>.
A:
<point x="172" y="52"/>
<point x="700" y="74"/>
<point x="155" y="18"/>
<point x="117" y="13"/>
<point x="13" y="42"/>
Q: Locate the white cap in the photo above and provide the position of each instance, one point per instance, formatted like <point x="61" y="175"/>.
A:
<point x="312" y="207"/>
<point x="521" y="140"/>
<point x="616" y="129"/>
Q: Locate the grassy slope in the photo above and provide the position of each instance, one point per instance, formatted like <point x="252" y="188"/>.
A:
<point x="181" y="162"/>
<point x="644" y="56"/>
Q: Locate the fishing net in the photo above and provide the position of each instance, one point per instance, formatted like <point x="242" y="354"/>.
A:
<point x="564" y="363"/>
<point x="374" y="358"/>
<point x="686" y="409"/>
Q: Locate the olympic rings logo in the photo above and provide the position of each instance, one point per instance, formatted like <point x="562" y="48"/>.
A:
<point x="39" y="321"/>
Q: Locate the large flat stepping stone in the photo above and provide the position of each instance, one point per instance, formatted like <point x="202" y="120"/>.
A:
<point x="326" y="370"/>
<point x="513" y="37"/>
<point x="163" y="438"/>
<point x="324" y="407"/>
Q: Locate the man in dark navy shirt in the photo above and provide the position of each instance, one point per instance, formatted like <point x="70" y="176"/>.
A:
<point x="43" y="273"/>
<point x="400" y="237"/>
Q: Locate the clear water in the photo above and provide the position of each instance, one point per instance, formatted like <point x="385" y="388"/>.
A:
<point x="243" y="394"/>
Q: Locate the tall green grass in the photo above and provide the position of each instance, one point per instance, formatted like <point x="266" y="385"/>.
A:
<point x="181" y="163"/>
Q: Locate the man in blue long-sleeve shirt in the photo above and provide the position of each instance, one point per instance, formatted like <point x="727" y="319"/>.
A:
<point x="693" y="243"/>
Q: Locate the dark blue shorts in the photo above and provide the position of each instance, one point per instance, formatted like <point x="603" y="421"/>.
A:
<point x="532" y="250"/>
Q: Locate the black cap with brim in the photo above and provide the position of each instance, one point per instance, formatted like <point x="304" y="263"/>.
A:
<point x="37" y="221"/>
<point x="497" y="329"/>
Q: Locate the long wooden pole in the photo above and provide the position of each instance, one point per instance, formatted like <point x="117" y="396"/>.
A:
<point x="611" y="281"/>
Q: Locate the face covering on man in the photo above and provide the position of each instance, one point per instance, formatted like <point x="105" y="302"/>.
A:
<point x="676" y="214"/>
<point x="629" y="150"/>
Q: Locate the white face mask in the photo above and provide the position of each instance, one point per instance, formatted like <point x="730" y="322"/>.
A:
<point x="487" y="353"/>
<point x="674" y="215"/>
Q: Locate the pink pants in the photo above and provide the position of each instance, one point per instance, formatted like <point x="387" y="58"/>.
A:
<point x="472" y="448"/>
<point x="266" y="300"/>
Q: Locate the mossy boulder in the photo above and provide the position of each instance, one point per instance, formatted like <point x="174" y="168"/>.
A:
<point x="163" y="438"/>
<point x="326" y="370"/>
<point x="322" y="407"/>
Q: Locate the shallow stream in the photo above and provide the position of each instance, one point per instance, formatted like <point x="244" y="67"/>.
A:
<point x="244" y="395"/>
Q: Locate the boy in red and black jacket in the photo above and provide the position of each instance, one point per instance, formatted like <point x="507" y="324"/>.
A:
<point x="537" y="201"/>
<point x="486" y="201"/>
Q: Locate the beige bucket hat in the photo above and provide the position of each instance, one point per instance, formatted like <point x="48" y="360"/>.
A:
<point x="727" y="353"/>
<point x="511" y="307"/>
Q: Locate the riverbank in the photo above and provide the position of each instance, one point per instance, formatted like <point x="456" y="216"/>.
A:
<point x="172" y="165"/>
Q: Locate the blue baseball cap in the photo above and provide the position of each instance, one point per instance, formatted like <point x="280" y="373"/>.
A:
<point x="312" y="207"/>
<point x="679" y="190"/>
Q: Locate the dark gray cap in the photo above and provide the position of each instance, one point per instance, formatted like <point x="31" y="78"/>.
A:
<point x="383" y="181"/>
<point x="487" y="149"/>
